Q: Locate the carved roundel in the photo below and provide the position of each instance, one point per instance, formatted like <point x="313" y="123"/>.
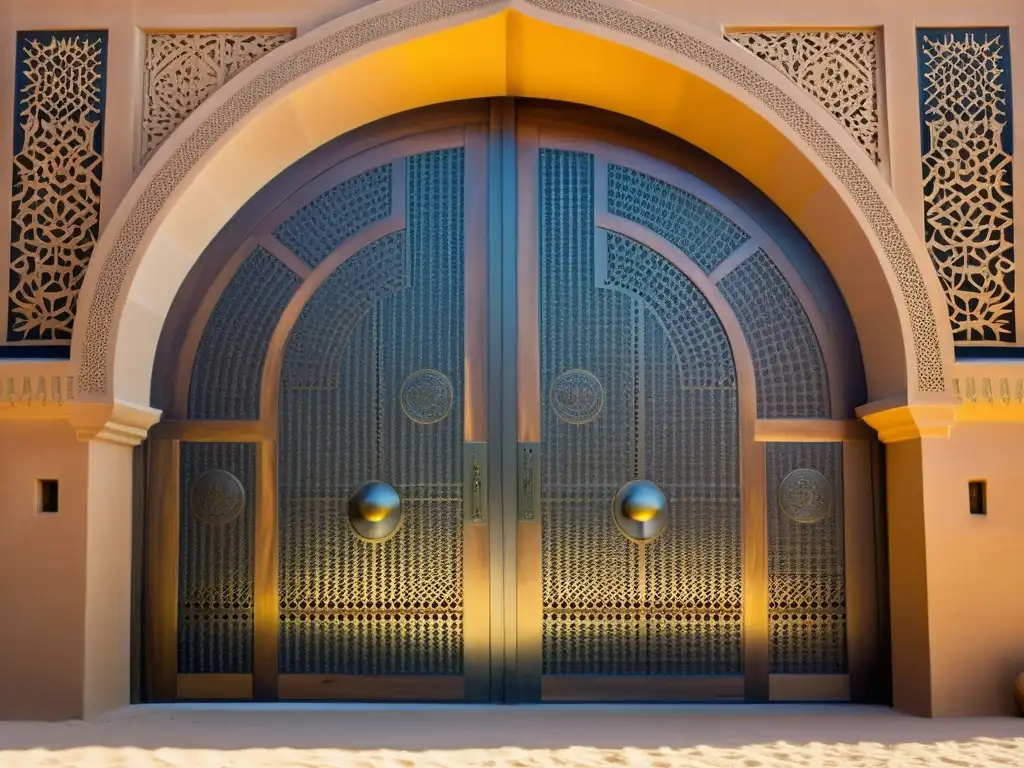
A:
<point x="805" y="496"/>
<point x="427" y="396"/>
<point x="577" y="396"/>
<point x="218" y="497"/>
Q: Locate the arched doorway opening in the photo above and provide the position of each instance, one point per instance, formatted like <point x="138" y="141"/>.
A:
<point x="504" y="313"/>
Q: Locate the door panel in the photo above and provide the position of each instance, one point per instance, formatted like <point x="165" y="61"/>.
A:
<point x="332" y="351"/>
<point x="216" y="592"/>
<point x="372" y="389"/>
<point x="636" y="381"/>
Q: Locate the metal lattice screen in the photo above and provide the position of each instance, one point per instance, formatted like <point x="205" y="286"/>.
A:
<point x="215" y="595"/>
<point x="644" y="338"/>
<point x="389" y="319"/>
<point x="806" y="585"/>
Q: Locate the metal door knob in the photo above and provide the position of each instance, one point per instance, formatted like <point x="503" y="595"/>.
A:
<point x="374" y="510"/>
<point x="640" y="510"/>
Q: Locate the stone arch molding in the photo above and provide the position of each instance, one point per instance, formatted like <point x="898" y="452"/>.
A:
<point x="153" y="240"/>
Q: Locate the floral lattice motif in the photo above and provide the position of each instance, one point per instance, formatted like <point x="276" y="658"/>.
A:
<point x="184" y="69"/>
<point x="56" y="180"/>
<point x="839" y="69"/>
<point x="967" y="164"/>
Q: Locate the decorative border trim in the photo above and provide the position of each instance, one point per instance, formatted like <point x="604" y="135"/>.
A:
<point x="93" y="376"/>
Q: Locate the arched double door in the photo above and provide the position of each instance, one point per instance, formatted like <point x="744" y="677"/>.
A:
<point x="491" y="403"/>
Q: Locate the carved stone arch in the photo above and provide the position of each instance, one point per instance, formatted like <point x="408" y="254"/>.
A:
<point x="738" y="108"/>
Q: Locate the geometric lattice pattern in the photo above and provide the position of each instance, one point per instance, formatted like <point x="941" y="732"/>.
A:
<point x="806" y="590"/>
<point x="592" y="621"/>
<point x="58" y="160"/>
<point x="694" y="227"/>
<point x="792" y="382"/>
<point x="395" y="307"/>
<point x="692" y="580"/>
<point x="967" y="137"/>
<point x="184" y="69"/>
<point x="228" y="367"/>
<point x="215" y="596"/>
<point x="838" y="68"/>
<point x="611" y="606"/>
<point x="320" y="226"/>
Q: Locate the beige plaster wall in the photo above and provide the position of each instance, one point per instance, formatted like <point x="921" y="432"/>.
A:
<point x="108" y="577"/>
<point x="974" y="582"/>
<point x="908" y="574"/>
<point x="42" y="572"/>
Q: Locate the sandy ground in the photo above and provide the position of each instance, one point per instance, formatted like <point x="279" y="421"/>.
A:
<point x="298" y="736"/>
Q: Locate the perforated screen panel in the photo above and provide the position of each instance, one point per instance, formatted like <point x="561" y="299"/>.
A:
<point x="215" y="619"/>
<point x="364" y="397"/>
<point x="228" y="368"/>
<point x="792" y="382"/>
<point x="320" y="226"/>
<point x="807" y="601"/>
<point x="590" y="572"/>
<point x="638" y="381"/>
<point x="693" y="575"/>
<point x="690" y="224"/>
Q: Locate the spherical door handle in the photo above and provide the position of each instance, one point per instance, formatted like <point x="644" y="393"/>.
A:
<point x="375" y="511"/>
<point x="640" y="510"/>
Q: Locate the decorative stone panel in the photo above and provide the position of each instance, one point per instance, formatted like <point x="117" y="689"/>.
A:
<point x="839" y="69"/>
<point x="55" y="194"/>
<point x="967" y="141"/>
<point x="183" y="69"/>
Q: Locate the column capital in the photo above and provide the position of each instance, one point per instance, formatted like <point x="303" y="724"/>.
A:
<point x="119" y="422"/>
<point x="897" y="420"/>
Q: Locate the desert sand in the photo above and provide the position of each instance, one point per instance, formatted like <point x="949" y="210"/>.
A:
<point x="367" y="736"/>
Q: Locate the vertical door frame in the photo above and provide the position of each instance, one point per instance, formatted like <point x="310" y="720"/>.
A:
<point x="161" y="582"/>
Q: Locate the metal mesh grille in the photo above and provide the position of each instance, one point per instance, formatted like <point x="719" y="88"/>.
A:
<point x="590" y="573"/>
<point x="806" y="591"/>
<point x="228" y="367"/>
<point x="791" y="379"/>
<point x="323" y="224"/>
<point x="669" y="394"/>
<point x="693" y="578"/>
<point x="694" y="227"/>
<point x="215" y="620"/>
<point x="392" y="607"/>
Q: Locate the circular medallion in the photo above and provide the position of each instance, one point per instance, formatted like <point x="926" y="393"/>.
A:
<point x="640" y="510"/>
<point x="427" y="396"/>
<point x="577" y="396"/>
<point x="374" y="511"/>
<point x="805" y="496"/>
<point x="218" y="497"/>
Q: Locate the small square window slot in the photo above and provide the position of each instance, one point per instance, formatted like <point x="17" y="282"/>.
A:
<point x="49" y="496"/>
<point x="977" y="493"/>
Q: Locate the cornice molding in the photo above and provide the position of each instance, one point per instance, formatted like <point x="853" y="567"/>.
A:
<point x="896" y="421"/>
<point x="119" y="422"/>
